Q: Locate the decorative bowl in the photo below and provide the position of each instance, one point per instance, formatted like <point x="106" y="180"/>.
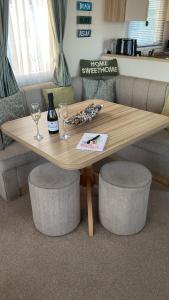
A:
<point x="85" y="115"/>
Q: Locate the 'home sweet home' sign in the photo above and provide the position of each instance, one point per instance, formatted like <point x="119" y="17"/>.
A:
<point x="96" y="68"/>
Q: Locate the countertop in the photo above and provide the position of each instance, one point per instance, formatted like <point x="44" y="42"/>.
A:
<point x="152" y="58"/>
<point x="146" y="67"/>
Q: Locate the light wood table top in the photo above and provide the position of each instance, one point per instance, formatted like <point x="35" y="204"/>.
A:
<point x="124" y="126"/>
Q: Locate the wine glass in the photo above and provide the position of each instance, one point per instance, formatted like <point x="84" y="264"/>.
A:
<point x="36" y="114"/>
<point x="91" y="97"/>
<point x="63" y="114"/>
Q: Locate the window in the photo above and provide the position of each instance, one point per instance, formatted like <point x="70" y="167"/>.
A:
<point x="31" y="48"/>
<point x="152" y="34"/>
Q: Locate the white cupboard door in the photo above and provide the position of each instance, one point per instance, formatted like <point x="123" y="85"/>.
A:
<point x="136" y="10"/>
<point x="167" y="17"/>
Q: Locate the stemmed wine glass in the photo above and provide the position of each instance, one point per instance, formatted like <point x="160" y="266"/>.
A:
<point x="36" y="114"/>
<point x="63" y="114"/>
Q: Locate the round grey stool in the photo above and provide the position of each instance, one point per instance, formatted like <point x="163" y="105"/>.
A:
<point x="123" y="196"/>
<point x="55" y="199"/>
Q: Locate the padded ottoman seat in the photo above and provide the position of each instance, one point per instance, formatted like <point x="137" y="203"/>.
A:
<point x="16" y="162"/>
<point x="123" y="197"/>
<point x="55" y="199"/>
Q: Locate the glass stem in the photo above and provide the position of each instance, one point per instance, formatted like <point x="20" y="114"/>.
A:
<point x="37" y="127"/>
<point x="64" y="126"/>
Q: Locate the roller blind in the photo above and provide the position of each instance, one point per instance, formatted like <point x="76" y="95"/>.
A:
<point x="152" y="34"/>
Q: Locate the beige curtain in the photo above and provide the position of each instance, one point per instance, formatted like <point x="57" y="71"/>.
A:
<point x="32" y="49"/>
<point x="8" y="85"/>
<point x="58" y="11"/>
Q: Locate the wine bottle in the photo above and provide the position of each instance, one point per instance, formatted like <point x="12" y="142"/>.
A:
<point x="52" y="118"/>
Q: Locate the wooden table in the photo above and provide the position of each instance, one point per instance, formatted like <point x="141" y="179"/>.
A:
<point x="124" y="126"/>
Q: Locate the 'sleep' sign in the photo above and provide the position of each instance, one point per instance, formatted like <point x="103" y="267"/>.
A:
<point x="84" y="33"/>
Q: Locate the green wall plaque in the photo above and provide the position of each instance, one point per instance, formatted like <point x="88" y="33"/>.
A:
<point x="84" y="6"/>
<point x="83" y="33"/>
<point x="84" y="19"/>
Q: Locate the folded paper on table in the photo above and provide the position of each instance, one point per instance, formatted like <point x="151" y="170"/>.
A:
<point x="95" y="145"/>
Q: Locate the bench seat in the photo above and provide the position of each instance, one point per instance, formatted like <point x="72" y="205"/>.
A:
<point x="153" y="152"/>
<point x="16" y="162"/>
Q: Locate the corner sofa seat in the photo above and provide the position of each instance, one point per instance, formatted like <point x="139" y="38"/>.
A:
<point x="16" y="161"/>
<point x="19" y="160"/>
<point x="148" y="95"/>
<point x="15" y="164"/>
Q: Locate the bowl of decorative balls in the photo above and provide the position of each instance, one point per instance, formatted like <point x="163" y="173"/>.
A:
<point x="86" y="115"/>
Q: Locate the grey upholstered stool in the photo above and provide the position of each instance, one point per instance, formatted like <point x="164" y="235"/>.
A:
<point x="123" y="196"/>
<point x="55" y="199"/>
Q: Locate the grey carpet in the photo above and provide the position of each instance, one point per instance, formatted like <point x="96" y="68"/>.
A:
<point x="36" y="267"/>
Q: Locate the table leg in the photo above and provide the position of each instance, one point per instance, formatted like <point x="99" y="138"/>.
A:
<point x="90" y="207"/>
<point x="88" y="180"/>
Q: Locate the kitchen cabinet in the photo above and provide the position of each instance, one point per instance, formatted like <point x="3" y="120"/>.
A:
<point x="126" y="10"/>
<point x="167" y="17"/>
<point x="115" y="10"/>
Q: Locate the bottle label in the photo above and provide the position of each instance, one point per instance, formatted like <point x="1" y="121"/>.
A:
<point x="53" y="126"/>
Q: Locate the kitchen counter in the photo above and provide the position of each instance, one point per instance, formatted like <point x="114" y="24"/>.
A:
<point x="162" y="59"/>
<point x="142" y="66"/>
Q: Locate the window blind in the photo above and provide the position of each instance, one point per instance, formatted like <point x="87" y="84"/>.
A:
<point x="152" y="34"/>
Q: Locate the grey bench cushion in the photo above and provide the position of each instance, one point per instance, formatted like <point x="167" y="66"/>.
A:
<point x="15" y="155"/>
<point x="157" y="143"/>
<point x="153" y="152"/>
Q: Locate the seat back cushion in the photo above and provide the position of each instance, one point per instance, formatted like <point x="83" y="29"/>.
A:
<point x="60" y="95"/>
<point x="99" y="89"/>
<point x="33" y="93"/>
<point x="165" y="110"/>
<point x="141" y="93"/>
<point x="78" y="88"/>
<point x="11" y="108"/>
